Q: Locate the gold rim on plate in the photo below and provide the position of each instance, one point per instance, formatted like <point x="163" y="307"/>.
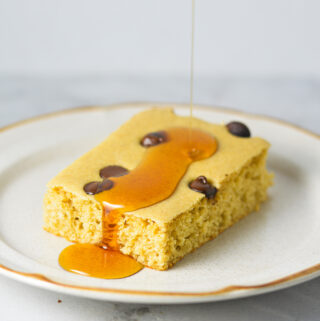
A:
<point x="228" y="289"/>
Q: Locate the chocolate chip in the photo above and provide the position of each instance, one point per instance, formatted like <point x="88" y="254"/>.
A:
<point x="91" y="188"/>
<point x="201" y="185"/>
<point x="238" y="129"/>
<point x="153" y="139"/>
<point x="97" y="187"/>
<point x="105" y="185"/>
<point x="113" y="171"/>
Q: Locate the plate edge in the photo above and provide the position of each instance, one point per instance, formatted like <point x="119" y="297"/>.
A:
<point x="223" y="291"/>
<point x="229" y="289"/>
<point x="220" y="109"/>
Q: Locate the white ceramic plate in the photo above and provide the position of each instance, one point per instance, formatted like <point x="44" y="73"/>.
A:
<point x="275" y="248"/>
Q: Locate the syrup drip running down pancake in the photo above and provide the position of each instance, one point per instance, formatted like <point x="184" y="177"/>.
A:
<point x="165" y="162"/>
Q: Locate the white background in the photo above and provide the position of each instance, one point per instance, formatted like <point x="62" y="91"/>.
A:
<point x="233" y="37"/>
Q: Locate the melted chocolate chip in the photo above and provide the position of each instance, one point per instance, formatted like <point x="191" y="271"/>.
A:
<point x="153" y="139"/>
<point x="238" y="129"/>
<point x="91" y="188"/>
<point x="105" y="185"/>
<point x="113" y="171"/>
<point x="97" y="187"/>
<point x="201" y="185"/>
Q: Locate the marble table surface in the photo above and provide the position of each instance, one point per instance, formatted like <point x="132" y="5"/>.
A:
<point x="294" y="100"/>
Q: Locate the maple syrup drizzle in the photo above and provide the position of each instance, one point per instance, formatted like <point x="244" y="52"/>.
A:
<point x="152" y="181"/>
<point x="142" y="187"/>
